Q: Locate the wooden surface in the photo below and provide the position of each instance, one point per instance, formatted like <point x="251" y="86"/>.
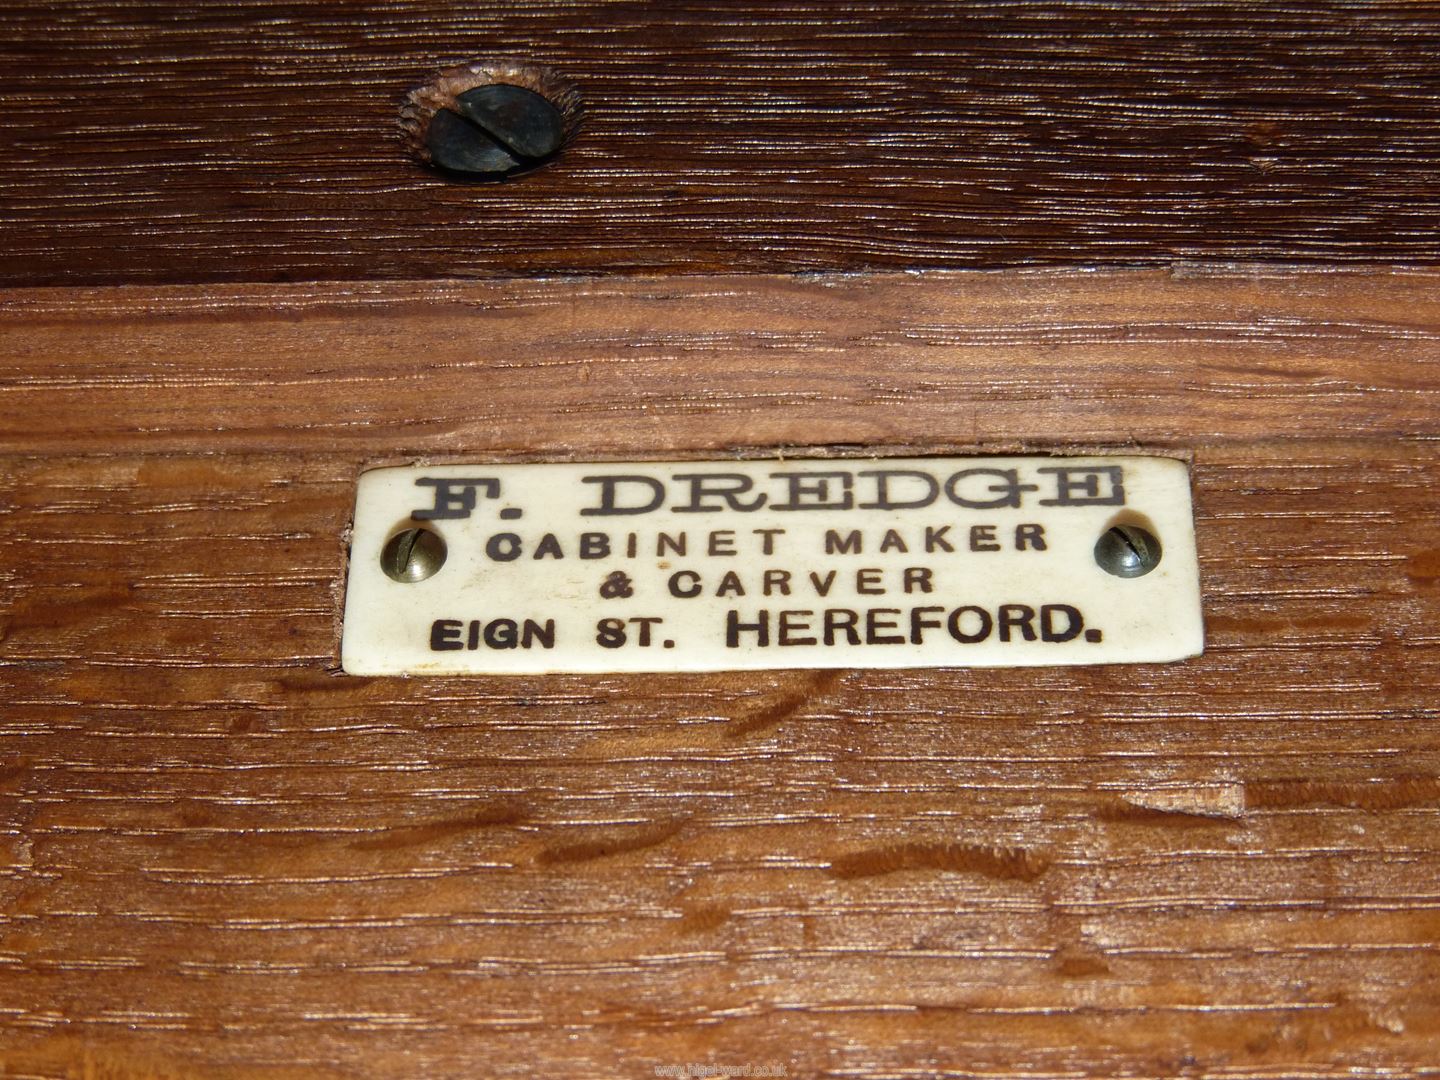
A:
<point x="257" y="140"/>
<point x="220" y="858"/>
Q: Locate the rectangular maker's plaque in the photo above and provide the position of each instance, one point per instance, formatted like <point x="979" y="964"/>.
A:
<point x="720" y="565"/>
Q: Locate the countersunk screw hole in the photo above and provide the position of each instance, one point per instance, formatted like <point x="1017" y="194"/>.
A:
<point x="412" y="555"/>
<point x="1127" y="551"/>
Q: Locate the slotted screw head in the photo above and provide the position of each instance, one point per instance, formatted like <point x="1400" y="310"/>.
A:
<point x="1127" y="551"/>
<point x="412" y="555"/>
<point x="494" y="130"/>
<point x="520" y="119"/>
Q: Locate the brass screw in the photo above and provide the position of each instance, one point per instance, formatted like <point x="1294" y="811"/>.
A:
<point x="1127" y="551"/>
<point x="412" y="555"/>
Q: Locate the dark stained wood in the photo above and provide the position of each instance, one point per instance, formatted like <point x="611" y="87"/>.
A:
<point x="220" y="858"/>
<point x="257" y="141"/>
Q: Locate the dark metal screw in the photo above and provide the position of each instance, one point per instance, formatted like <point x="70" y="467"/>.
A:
<point x="495" y="130"/>
<point x="1127" y="551"/>
<point x="412" y="555"/>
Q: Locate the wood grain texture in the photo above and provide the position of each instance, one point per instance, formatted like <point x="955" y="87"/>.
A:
<point x="256" y="140"/>
<point x="219" y="858"/>
<point x="581" y="367"/>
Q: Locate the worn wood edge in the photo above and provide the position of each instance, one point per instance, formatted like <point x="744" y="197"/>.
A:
<point x="75" y="301"/>
<point x="1022" y="360"/>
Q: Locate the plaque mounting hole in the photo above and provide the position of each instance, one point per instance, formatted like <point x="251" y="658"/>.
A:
<point x="1127" y="551"/>
<point x="412" y="555"/>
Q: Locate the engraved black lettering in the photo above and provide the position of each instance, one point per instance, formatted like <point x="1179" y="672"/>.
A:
<point x="1029" y="537"/>
<point x="982" y="538"/>
<point x="1086" y="485"/>
<point x="842" y="619"/>
<point x="893" y="542"/>
<point x="502" y="634"/>
<point x="885" y="500"/>
<point x="777" y="581"/>
<point x="1074" y="622"/>
<point x="445" y="635"/>
<point x="727" y="487"/>
<point x="791" y="626"/>
<point x="822" y="585"/>
<point x="734" y="628"/>
<point x="919" y="577"/>
<point x="644" y="623"/>
<point x="814" y="491"/>
<point x="767" y="539"/>
<point x="1016" y="617"/>
<point x="874" y="624"/>
<point x="495" y="634"/>
<point x="1004" y="491"/>
<point x="730" y="585"/>
<point x="610" y="502"/>
<point x="919" y="624"/>
<point x="535" y="633"/>
<point x="722" y="542"/>
<point x="616" y="586"/>
<point x="548" y="548"/>
<point x="455" y="496"/>
<point x="685" y="584"/>
<point x="935" y="540"/>
<point x="503" y="547"/>
<point x="956" y="625"/>
<point x="835" y="544"/>
<point x="594" y="545"/>
<point x="867" y="582"/>
<point x="664" y="543"/>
